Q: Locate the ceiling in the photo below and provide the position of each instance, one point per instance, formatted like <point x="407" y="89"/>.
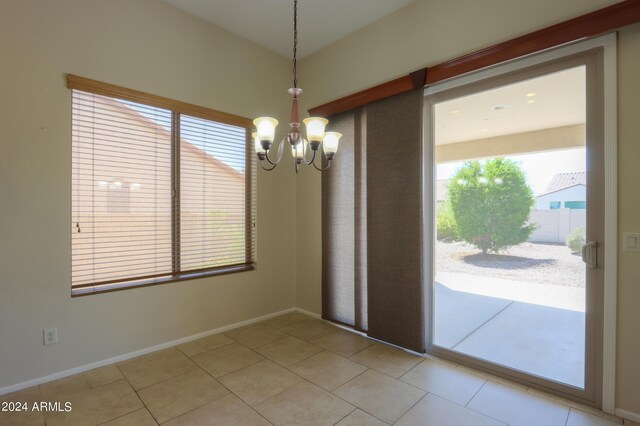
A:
<point x="545" y="102"/>
<point x="269" y="23"/>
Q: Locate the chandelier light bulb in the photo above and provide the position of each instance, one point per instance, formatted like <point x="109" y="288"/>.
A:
<point x="262" y="154"/>
<point x="330" y="144"/>
<point x="299" y="150"/>
<point x="315" y="128"/>
<point x="266" y="129"/>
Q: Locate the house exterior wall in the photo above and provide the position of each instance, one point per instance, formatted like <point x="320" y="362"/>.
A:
<point x="574" y="193"/>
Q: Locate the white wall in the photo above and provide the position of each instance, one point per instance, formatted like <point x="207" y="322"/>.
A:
<point x="145" y="45"/>
<point x="553" y="226"/>
<point x="574" y="193"/>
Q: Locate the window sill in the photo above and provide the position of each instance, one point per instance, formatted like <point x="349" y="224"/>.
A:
<point x="107" y="288"/>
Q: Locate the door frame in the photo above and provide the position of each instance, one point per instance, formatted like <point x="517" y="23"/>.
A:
<point x="604" y="393"/>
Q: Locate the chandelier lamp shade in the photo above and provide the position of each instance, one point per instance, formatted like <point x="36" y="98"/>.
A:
<point x="304" y="150"/>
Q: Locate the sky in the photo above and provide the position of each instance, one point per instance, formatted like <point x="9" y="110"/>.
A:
<point x="538" y="167"/>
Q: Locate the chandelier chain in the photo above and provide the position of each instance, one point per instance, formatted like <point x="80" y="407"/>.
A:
<point x="319" y="141"/>
<point x="295" y="43"/>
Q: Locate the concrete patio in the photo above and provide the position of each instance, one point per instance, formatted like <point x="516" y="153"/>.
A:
<point x="535" y="328"/>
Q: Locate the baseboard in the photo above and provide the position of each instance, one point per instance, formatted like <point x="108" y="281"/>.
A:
<point x="629" y="415"/>
<point x="311" y="314"/>
<point x="124" y="357"/>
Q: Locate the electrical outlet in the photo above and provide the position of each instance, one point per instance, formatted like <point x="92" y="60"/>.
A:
<point x="50" y="336"/>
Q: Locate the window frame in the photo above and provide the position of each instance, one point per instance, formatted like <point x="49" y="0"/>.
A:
<point x="177" y="109"/>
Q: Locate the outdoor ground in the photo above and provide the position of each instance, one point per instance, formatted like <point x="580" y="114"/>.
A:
<point x="551" y="264"/>
<point x="523" y="308"/>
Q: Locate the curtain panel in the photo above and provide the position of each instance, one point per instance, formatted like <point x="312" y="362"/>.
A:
<point x="372" y="222"/>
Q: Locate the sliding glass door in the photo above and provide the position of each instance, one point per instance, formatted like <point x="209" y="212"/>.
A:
<point x="517" y="224"/>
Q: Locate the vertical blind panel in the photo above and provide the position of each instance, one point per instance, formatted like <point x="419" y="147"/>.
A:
<point x="338" y="227"/>
<point x="121" y="190"/>
<point x="216" y="198"/>
<point x="394" y="221"/>
<point x="360" y="231"/>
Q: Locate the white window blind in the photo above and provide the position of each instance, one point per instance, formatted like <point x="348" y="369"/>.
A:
<point x="157" y="195"/>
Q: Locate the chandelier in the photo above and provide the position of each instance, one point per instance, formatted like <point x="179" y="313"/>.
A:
<point x="316" y="139"/>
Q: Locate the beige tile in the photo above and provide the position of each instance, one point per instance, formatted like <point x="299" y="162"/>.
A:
<point x="156" y="367"/>
<point x="28" y="417"/>
<point x="517" y="408"/>
<point x="140" y="417"/>
<point x="103" y="375"/>
<point x="435" y="411"/>
<point x="343" y="343"/>
<point x="360" y="418"/>
<point x="227" y="359"/>
<point x="309" y="330"/>
<point x="304" y="404"/>
<point x="493" y="377"/>
<point x="387" y="359"/>
<point x="95" y="406"/>
<point x="87" y="380"/>
<point x="205" y="344"/>
<point x="256" y="335"/>
<point x="180" y="394"/>
<point x="580" y="418"/>
<point x="260" y="381"/>
<point x="445" y="381"/>
<point x="226" y="411"/>
<point x="288" y="351"/>
<point x="328" y="370"/>
<point x="380" y="395"/>
<point x="288" y="319"/>
<point x="577" y="405"/>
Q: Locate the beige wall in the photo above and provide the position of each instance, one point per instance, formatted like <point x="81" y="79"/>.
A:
<point x="149" y="46"/>
<point x="427" y="32"/>
<point x="628" y="374"/>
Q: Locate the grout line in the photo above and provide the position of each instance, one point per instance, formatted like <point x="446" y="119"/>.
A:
<point x="230" y="393"/>
<point x="359" y="408"/>
<point x="221" y="384"/>
<point x="567" y="419"/>
<point x="123" y="415"/>
<point x="481" y="325"/>
<point x="137" y="395"/>
<point x="417" y="402"/>
<point x="477" y="392"/>
<point x="264" y="359"/>
<point x="348" y="414"/>
<point x="246" y="366"/>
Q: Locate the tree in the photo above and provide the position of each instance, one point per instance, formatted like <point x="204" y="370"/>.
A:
<point x="445" y="222"/>
<point x="491" y="204"/>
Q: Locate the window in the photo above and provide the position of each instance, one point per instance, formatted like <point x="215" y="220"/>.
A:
<point x="575" y="205"/>
<point x="161" y="191"/>
<point x="554" y="205"/>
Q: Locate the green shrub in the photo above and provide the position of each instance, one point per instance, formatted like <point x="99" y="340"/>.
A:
<point x="491" y="204"/>
<point x="576" y="239"/>
<point x="445" y="223"/>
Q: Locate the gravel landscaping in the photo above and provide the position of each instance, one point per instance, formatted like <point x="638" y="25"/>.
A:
<point x="539" y="263"/>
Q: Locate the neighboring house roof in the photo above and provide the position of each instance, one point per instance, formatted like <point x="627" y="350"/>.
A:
<point x="135" y="115"/>
<point x="442" y="189"/>
<point x="565" y="180"/>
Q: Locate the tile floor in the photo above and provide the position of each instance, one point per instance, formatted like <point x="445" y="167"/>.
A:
<point x="294" y="370"/>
